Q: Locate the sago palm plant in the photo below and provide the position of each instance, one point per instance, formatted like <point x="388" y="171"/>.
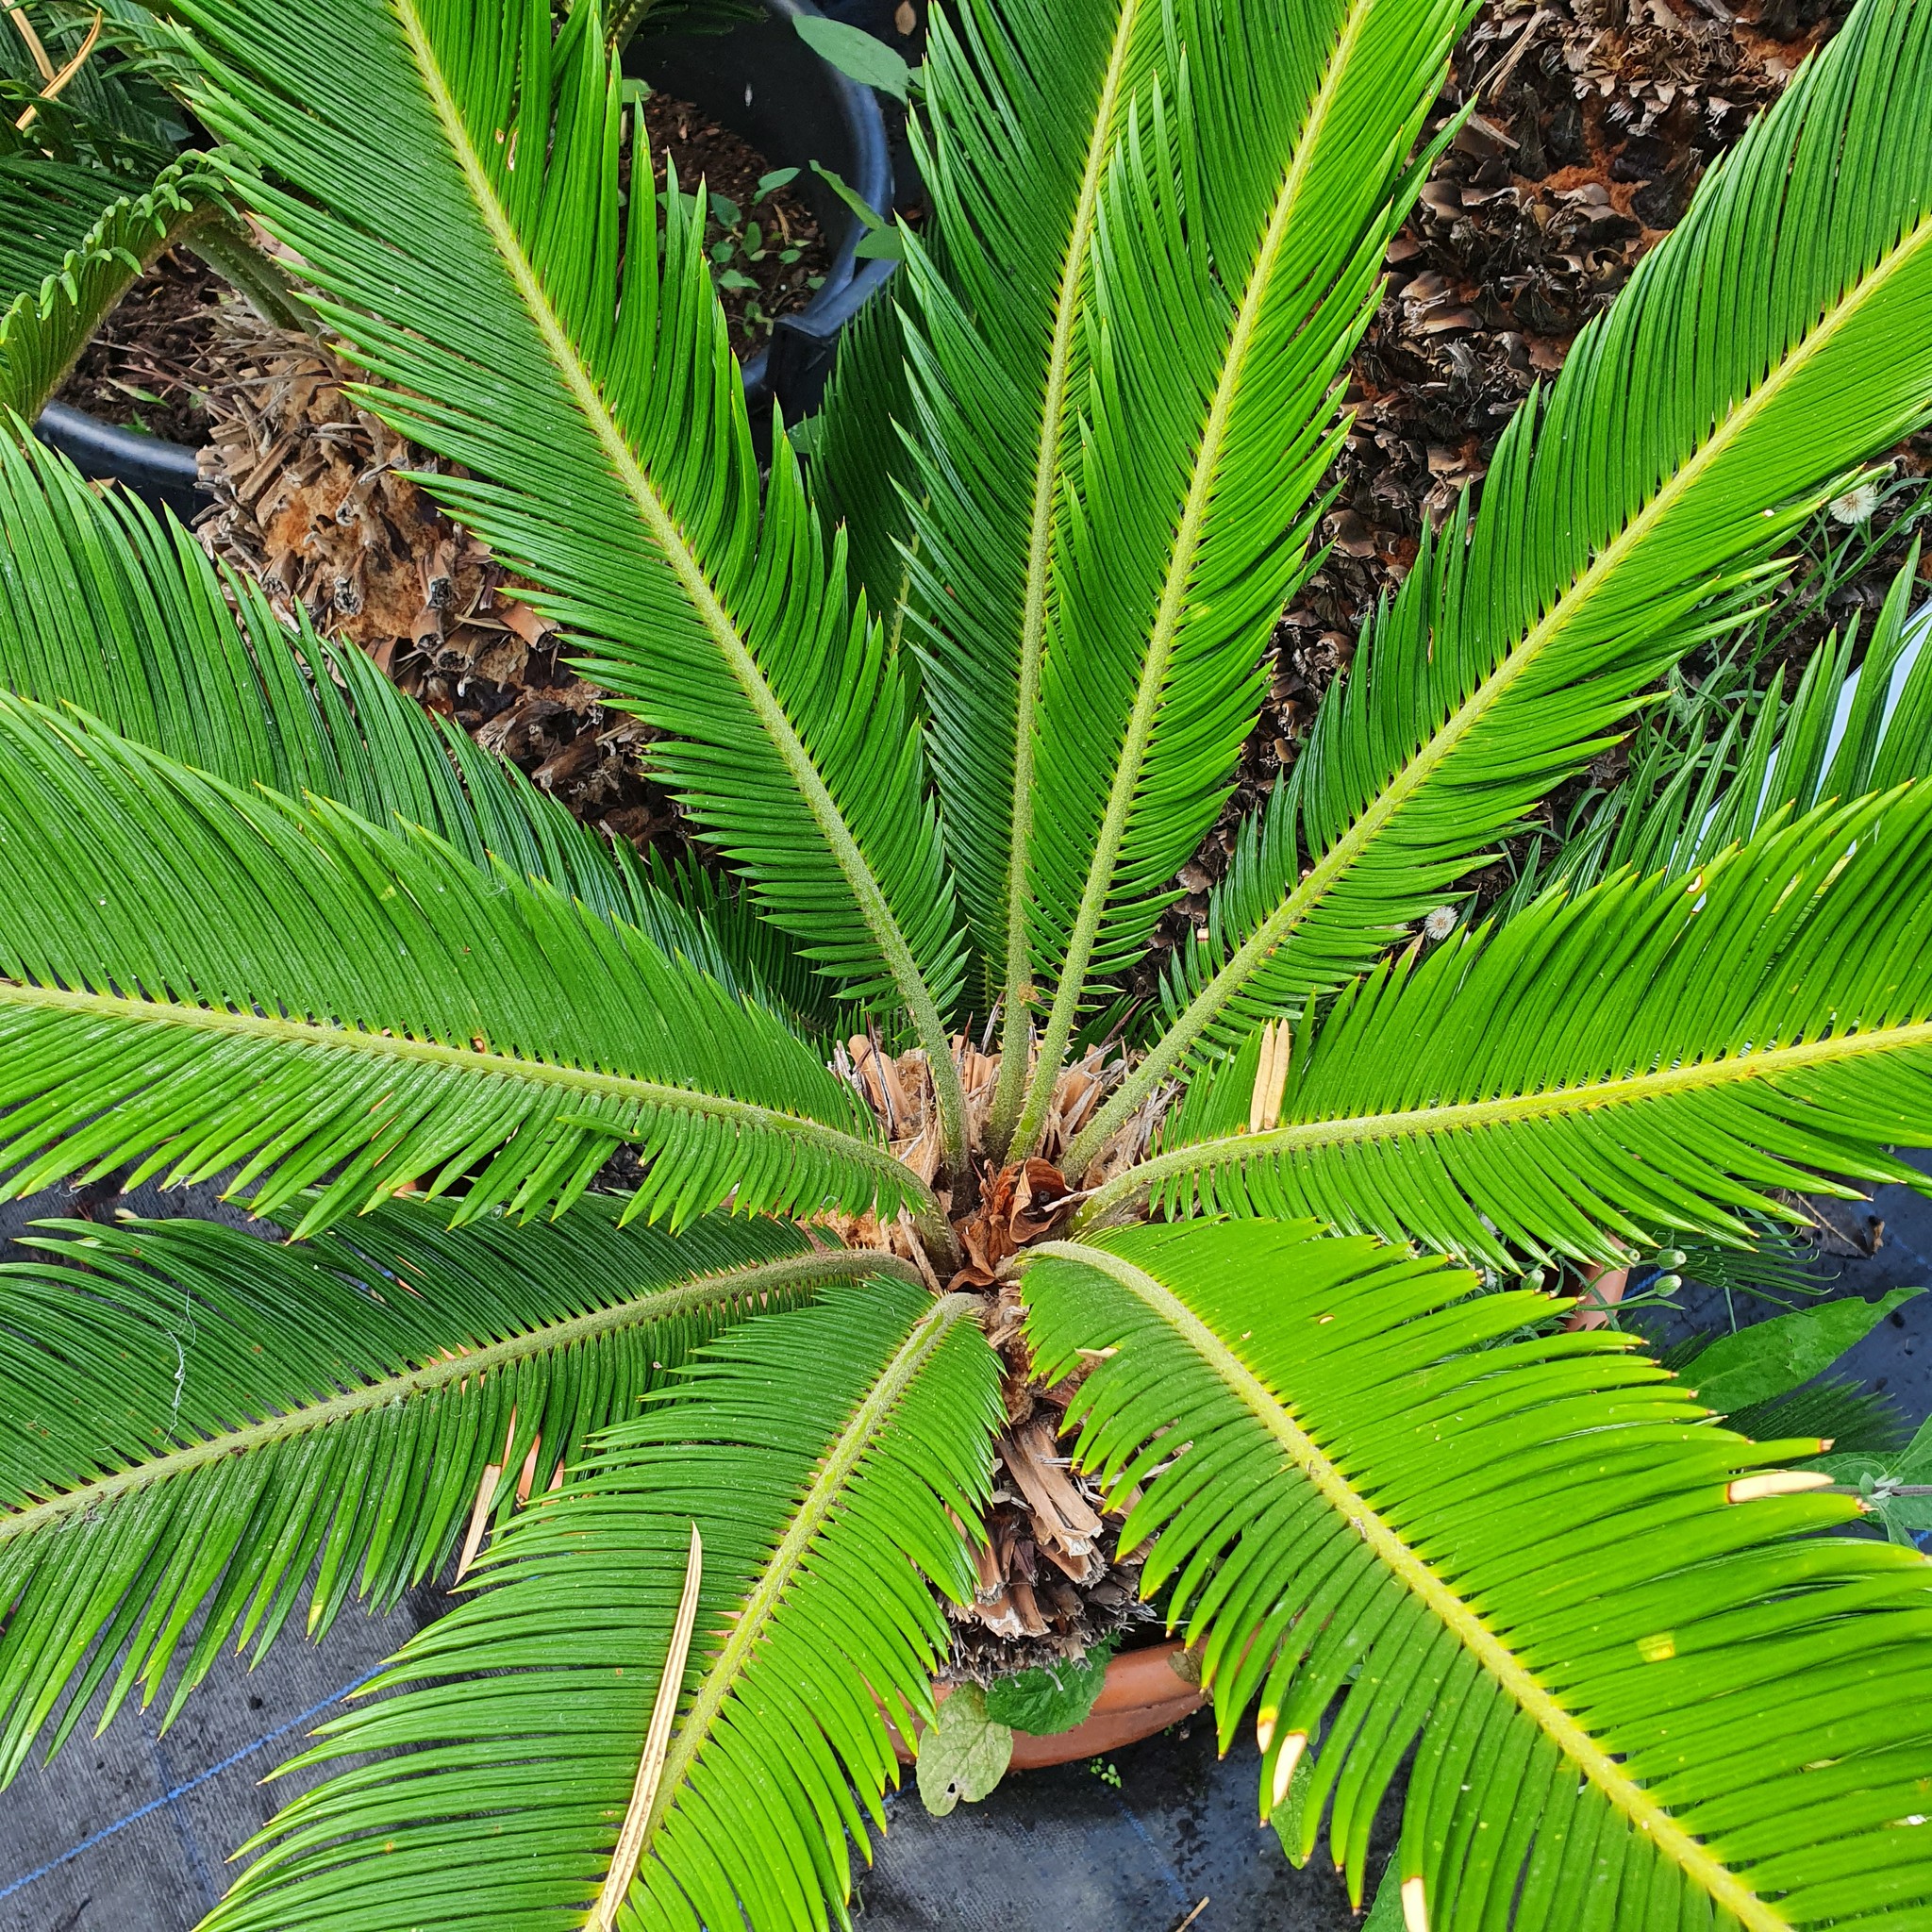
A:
<point x="263" y="918"/>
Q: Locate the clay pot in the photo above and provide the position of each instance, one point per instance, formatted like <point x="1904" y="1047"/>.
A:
<point x="1143" y="1691"/>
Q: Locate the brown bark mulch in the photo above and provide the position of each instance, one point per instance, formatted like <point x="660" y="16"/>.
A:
<point x="310" y="502"/>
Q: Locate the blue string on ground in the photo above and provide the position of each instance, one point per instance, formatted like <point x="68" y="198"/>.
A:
<point x="181" y="1790"/>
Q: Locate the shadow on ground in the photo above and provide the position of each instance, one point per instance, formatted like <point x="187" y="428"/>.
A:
<point x="1071" y="1850"/>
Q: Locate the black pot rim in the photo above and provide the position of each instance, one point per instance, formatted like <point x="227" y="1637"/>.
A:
<point x="142" y="461"/>
<point x="157" y="467"/>
<point x="849" y="283"/>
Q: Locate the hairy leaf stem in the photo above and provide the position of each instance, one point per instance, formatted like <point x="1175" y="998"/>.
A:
<point x="1016" y="1028"/>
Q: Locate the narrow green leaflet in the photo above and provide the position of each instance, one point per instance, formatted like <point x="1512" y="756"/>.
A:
<point x="1684" y="799"/>
<point x="106" y="607"/>
<point x="1836" y="1409"/>
<point x="113" y="116"/>
<point x="1641" y="1687"/>
<point x="46" y="324"/>
<point x="467" y="233"/>
<point x="1652" y="1054"/>
<point x="819" y="1454"/>
<point x="192" y="977"/>
<point x="858" y="455"/>
<point x="193" y="1419"/>
<point x="1780" y="334"/>
<point x="1239" y="241"/>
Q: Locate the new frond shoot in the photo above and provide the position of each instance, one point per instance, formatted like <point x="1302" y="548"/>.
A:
<point x="967" y="1323"/>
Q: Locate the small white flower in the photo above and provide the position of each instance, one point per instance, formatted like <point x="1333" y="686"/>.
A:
<point x="1440" y="923"/>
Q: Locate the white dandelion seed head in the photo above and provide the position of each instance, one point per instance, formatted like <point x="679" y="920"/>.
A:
<point x="1855" y="505"/>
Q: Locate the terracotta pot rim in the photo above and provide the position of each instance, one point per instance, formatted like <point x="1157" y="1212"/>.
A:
<point x="1145" y="1677"/>
<point x="1141" y="1694"/>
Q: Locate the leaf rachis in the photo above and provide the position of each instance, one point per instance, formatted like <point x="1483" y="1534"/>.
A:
<point x="1055" y="416"/>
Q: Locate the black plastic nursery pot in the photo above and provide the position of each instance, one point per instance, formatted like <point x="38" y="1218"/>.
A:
<point x="162" y="472"/>
<point x="761" y="81"/>
<point x="758" y="79"/>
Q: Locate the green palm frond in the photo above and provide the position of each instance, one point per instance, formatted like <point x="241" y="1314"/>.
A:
<point x="1627" y="514"/>
<point x="1652" y="1054"/>
<point x="47" y="208"/>
<point x="1239" y="247"/>
<point x="1688" y="795"/>
<point x="481" y="267"/>
<point x="195" y="977"/>
<point x="860" y="459"/>
<point x="195" y="1419"/>
<point x="1646" y="1692"/>
<point x="1025" y="106"/>
<point x="819" y="1456"/>
<point x="45" y="326"/>
<point x="107" y="609"/>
